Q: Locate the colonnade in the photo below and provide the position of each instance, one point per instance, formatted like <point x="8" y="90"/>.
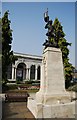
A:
<point x="27" y="71"/>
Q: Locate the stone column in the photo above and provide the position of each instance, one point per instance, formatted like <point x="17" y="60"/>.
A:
<point x="29" y="72"/>
<point x="12" y="72"/>
<point x="24" y="74"/>
<point x="15" y="72"/>
<point x="36" y="73"/>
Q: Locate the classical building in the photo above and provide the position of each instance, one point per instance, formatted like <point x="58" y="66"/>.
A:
<point x="26" y="67"/>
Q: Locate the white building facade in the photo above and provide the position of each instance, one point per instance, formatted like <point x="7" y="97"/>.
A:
<point x="27" y="67"/>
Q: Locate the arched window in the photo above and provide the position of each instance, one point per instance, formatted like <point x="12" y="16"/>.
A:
<point x="38" y="73"/>
<point x="32" y="72"/>
<point x="21" y="71"/>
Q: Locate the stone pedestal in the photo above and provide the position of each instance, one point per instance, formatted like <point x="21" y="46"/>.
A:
<point x="52" y="100"/>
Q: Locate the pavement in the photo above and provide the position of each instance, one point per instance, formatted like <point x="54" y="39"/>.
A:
<point x="16" y="111"/>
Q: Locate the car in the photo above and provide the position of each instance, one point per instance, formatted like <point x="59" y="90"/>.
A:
<point x="74" y="80"/>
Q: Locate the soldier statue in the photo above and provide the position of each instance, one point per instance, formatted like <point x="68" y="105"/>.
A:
<point x="50" y="33"/>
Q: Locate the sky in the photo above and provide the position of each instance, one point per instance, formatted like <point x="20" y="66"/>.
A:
<point x="27" y="23"/>
<point x="38" y="1"/>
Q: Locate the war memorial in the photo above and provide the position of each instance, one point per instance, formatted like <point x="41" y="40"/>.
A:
<point x="52" y="100"/>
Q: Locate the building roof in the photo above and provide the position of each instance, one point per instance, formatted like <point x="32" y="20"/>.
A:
<point x="28" y="56"/>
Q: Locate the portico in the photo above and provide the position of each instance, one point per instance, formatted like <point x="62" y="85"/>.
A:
<point x="27" y="67"/>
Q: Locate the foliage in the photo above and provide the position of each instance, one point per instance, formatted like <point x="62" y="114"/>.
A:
<point x="0" y="32"/>
<point x="14" y="88"/>
<point x="22" y="91"/>
<point x="0" y="41"/>
<point x="73" y="88"/>
<point x="7" y="54"/>
<point x="11" y="87"/>
<point x="63" y="45"/>
<point x="32" y="82"/>
<point x="0" y="52"/>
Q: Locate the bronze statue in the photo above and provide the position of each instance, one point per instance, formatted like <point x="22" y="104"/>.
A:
<point x="50" y="33"/>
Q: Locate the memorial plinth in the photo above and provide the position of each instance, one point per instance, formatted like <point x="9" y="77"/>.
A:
<point x="52" y="100"/>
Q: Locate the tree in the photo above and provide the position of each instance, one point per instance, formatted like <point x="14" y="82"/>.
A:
<point x="7" y="53"/>
<point x="0" y="52"/>
<point x="0" y="39"/>
<point x="63" y="45"/>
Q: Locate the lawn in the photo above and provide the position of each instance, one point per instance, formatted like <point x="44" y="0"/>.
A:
<point x="14" y="88"/>
<point x="29" y="91"/>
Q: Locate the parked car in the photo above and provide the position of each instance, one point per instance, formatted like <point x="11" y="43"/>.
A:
<point x="74" y="80"/>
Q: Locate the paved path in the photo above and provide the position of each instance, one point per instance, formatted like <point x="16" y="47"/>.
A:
<point x="16" y="111"/>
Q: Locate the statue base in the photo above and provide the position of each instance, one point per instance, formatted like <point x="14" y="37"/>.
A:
<point x="57" y="110"/>
<point x="52" y="100"/>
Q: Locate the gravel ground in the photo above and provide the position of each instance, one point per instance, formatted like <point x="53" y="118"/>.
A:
<point x="19" y="111"/>
<point x="16" y="111"/>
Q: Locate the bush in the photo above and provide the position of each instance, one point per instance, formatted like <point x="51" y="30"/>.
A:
<point x="73" y="88"/>
<point x="4" y="87"/>
<point x="29" y="82"/>
<point x="19" y="80"/>
<point x="13" y="87"/>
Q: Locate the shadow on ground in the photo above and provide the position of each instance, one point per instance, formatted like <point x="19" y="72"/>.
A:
<point x="16" y="111"/>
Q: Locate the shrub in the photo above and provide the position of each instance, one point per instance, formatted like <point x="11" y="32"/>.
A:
<point x="12" y="86"/>
<point x="73" y="88"/>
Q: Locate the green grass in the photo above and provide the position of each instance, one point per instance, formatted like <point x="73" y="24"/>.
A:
<point x="14" y="88"/>
<point x="23" y="91"/>
<point x="32" y="91"/>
